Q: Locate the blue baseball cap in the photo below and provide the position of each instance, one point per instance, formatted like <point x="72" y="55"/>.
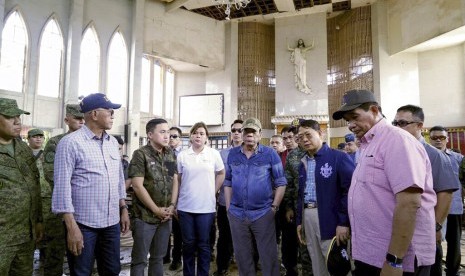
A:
<point x="97" y="100"/>
<point x="349" y="137"/>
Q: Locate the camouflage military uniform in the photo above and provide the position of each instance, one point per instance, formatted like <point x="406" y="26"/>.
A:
<point x="291" y="172"/>
<point x="54" y="244"/>
<point x="158" y="171"/>
<point x="21" y="208"/>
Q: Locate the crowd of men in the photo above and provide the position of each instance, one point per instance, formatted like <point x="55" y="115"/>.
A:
<point x="386" y="193"/>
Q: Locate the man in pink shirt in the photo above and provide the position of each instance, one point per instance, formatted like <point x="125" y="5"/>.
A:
<point x="391" y="197"/>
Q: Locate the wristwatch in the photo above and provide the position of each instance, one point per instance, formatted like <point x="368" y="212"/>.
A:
<point x="438" y="227"/>
<point x="123" y="207"/>
<point x="393" y="259"/>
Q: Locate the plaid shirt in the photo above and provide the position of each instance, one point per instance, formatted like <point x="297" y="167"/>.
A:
<point x="310" y="188"/>
<point x="89" y="180"/>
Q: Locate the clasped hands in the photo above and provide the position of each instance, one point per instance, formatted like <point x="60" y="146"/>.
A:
<point x="164" y="213"/>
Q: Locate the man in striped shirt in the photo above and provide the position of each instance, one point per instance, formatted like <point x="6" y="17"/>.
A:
<point x="89" y="191"/>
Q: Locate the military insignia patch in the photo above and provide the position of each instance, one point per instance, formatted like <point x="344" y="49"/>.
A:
<point x="50" y="157"/>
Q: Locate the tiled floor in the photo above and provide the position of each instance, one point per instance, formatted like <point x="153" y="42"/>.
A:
<point x="126" y="246"/>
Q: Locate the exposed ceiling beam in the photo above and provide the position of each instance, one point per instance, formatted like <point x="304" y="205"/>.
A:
<point x="284" y="5"/>
<point x="175" y="5"/>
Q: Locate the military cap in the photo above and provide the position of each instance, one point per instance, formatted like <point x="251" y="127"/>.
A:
<point x="97" y="100"/>
<point x="35" y="132"/>
<point x="296" y="123"/>
<point x="337" y="259"/>
<point x="9" y="107"/>
<point x="252" y="123"/>
<point x="341" y="146"/>
<point x="353" y="99"/>
<point x="74" y="110"/>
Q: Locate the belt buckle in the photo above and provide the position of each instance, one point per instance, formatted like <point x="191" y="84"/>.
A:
<point x="310" y="205"/>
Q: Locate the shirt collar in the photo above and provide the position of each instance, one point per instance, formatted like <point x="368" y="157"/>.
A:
<point x="90" y="135"/>
<point x="377" y="128"/>
<point x="258" y="149"/>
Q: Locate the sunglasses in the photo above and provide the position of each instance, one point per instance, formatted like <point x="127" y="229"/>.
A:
<point x="402" y="123"/>
<point x="238" y="130"/>
<point x="435" y="138"/>
<point x="174" y="136"/>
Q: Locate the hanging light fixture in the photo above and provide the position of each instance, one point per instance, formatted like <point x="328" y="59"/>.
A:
<point x="237" y="4"/>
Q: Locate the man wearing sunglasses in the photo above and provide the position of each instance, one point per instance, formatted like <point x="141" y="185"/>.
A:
<point x="224" y="247"/>
<point x="439" y="139"/>
<point x="175" y="144"/>
<point x="445" y="181"/>
<point x="89" y="190"/>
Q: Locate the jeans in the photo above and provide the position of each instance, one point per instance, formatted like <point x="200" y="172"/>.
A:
<point x="149" y="237"/>
<point x="264" y="232"/>
<point x="102" y="244"/>
<point x="195" y="231"/>
<point x="176" y="251"/>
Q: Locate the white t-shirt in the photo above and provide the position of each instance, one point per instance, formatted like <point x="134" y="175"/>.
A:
<point x="197" y="187"/>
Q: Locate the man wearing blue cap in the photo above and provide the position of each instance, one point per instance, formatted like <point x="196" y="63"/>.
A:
<point x="351" y="147"/>
<point x="89" y="190"/>
<point x="21" y="211"/>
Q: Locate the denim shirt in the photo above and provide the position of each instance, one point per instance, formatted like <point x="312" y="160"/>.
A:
<point x="253" y="181"/>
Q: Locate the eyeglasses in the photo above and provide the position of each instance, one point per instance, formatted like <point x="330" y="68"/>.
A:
<point x="111" y="111"/>
<point x="402" y="123"/>
<point x="174" y="136"/>
<point x="238" y="130"/>
<point x="435" y="138"/>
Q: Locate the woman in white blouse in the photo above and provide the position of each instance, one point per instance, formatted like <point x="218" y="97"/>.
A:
<point x="201" y="174"/>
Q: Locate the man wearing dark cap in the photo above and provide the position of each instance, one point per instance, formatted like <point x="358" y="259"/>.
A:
<point x="391" y="198"/>
<point x="21" y="211"/>
<point x="54" y="243"/>
<point x="35" y="139"/>
<point x="351" y="147"/>
<point x="89" y="190"/>
<point x="341" y="147"/>
<point x="254" y="187"/>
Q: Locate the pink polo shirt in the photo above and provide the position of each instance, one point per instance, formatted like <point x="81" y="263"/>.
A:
<point x="391" y="160"/>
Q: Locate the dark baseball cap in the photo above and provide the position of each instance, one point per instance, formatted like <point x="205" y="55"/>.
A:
<point x="341" y="146"/>
<point x="9" y="107"/>
<point x="296" y="123"/>
<point x="74" y="110"/>
<point x="97" y="100"/>
<point x="353" y="99"/>
<point x="337" y="259"/>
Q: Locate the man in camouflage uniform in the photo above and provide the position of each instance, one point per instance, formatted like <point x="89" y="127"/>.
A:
<point x="53" y="247"/>
<point x="153" y="173"/>
<point x="291" y="171"/>
<point x="21" y="211"/>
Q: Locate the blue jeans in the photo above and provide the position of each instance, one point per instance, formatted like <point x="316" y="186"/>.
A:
<point x="102" y="244"/>
<point x="149" y="237"/>
<point x="195" y="231"/>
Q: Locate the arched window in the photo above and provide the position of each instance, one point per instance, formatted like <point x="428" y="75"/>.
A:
<point x="117" y="72"/>
<point x="169" y="93"/>
<point x="50" y="60"/>
<point x="13" y="53"/>
<point x="89" y="65"/>
<point x="145" y="86"/>
<point x="157" y="89"/>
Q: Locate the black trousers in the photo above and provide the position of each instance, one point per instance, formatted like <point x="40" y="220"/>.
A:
<point x="289" y="244"/>
<point x="224" y="246"/>
<point x="177" y="242"/>
<point x="364" y="269"/>
<point x="453" y="236"/>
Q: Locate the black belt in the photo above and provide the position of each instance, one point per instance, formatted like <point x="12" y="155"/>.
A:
<point x="310" y="205"/>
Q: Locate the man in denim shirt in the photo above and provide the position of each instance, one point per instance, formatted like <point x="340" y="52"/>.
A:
<point x="254" y="188"/>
